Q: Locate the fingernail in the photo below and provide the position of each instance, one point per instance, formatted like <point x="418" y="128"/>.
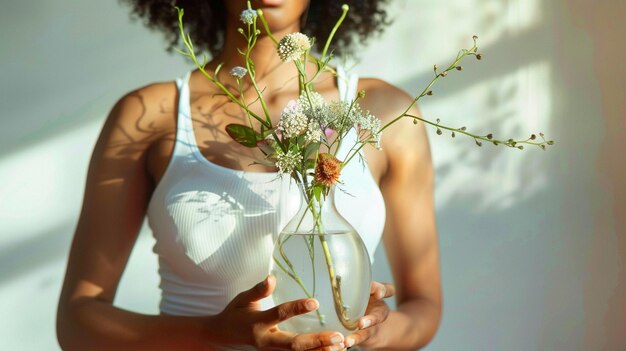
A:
<point x="365" y="323"/>
<point x="311" y="304"/>
<point x="349" y="342"/>
<point x="337" y="338"/>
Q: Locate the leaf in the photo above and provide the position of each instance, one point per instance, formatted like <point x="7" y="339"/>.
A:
<point x="244" y="135"/>
<point x="309" y="164"/>
<point x="310" y="148"/>
<point x="317" y="192"/>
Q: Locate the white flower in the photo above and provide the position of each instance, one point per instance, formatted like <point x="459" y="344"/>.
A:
<point x="369" y="124"/>
<point x="238" y="72"/>
<point x="343" y="115"/>
<point x="248" y="16"/>
<point x="287" y="162"/>
<point x="311" y="100"/>
<point x="292" y="121"/>
<point x="293" y="46"/>
<point x="314" y="107"/>
<point x="314" y="133"/>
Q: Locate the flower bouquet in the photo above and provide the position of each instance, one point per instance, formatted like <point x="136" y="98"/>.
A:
<point x="319" y="254"/>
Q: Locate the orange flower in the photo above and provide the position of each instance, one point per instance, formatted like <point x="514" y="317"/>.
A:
<point x="327" y="169"/>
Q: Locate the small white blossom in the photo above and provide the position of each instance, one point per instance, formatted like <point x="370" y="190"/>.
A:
<point x="314" y="107"/>
<point x="311" y="100"/>
<point x="344" y="115"/>
<point x="314" y="133"/>
<point x="248" y="16"/>
<point x="292" y="121"/>
<point x="287" y="162"/>
<point x="238" y="72"/>
<point x="292" y="46"/>
<point x="369" y="122"/>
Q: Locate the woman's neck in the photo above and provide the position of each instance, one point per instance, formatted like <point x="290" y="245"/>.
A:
<point x="268" y="67"/>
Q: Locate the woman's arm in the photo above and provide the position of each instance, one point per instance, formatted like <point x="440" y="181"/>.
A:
<point x="410" y="235"/>
<point x="116" y="196"/>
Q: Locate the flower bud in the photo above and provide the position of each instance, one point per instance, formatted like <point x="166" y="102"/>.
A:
<point x="327" y="169"/>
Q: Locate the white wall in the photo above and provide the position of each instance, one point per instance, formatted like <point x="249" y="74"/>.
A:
<point x="532" y="243"/>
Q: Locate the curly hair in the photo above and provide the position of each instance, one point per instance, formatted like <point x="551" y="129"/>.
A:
<point x="205" y="22"/>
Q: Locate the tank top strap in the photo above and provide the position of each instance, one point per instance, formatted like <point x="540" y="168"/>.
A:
<point x="347" y="84"/>
<point x="184" y="124"/>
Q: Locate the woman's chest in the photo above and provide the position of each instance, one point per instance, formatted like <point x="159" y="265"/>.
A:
<point x="218" y="148"/>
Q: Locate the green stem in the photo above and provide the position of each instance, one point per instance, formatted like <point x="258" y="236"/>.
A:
<point x="201" y="67"/>
<point x="488" y="138"/>
<point x="335" y="281"/>
<point x="344" y="12"/>
<point x="464" y="53"/>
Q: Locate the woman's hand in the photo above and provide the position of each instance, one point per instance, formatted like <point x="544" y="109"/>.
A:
<point x="375" y="314"/>
<point x="242" y="322"/>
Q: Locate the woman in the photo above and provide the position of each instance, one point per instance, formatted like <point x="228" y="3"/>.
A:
<point x="140" y="160"/>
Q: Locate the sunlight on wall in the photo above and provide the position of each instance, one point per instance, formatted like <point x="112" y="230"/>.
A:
<point x="508" y="93"/>
<point x="41" y="185"/>
<point x="512" y="105"/>
<point x="528" y="257"/>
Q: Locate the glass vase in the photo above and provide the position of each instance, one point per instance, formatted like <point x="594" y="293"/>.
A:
<point x="320" y="255"/>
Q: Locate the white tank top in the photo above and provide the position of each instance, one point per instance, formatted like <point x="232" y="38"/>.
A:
<point x="215" y="226"/>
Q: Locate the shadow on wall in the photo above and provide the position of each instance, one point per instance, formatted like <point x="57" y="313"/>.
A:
<point x="524" y="235"/>
<point x="532" y="243"/>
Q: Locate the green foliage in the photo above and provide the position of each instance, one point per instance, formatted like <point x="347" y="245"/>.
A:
<point x="244" y="135"/>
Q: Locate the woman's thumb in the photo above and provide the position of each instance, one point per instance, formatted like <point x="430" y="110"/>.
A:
<point x="257" y="292"/>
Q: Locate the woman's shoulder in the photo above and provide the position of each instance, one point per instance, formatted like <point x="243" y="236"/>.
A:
<point x="390" y="104"/>
<point x="146" y="111"/>
<point x="383" y="99"/>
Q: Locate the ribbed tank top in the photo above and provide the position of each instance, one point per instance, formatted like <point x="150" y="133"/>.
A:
<point x="215" y="226"/>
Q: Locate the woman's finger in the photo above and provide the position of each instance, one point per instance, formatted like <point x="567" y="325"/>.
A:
<point x="288" y="341"/>
<point x="256" y="293"/>
<point x="329" y="348"/>
<point x="382" y="290"/>
<point x="289" y="309"/>
<point x="358" y="337"/>
<point x="377" y="312"/>
<point x="318" y="341"/>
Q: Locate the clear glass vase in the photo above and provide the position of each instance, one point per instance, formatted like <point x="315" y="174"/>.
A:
<point x="319" y="254"/>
